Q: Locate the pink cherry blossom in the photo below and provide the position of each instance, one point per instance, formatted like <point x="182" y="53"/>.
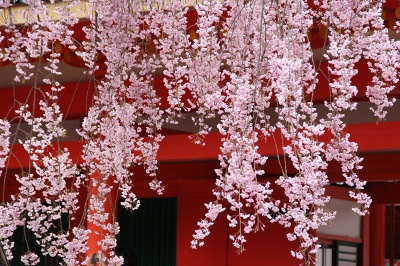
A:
<point x="250" y="59"/>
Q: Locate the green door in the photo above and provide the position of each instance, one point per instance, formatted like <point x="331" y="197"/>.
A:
<point x="150" y="231"/>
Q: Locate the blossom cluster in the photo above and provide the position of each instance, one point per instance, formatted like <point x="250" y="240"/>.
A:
<point x="248" y="57"/>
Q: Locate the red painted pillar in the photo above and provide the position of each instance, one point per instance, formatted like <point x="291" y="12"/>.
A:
<point x="377" y="235"/>
<point x="110" y="206"/>
<point x="366" y="240"/>
<point x="391" y="230"/>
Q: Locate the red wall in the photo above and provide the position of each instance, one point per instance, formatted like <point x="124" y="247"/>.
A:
<point x="269" y="247"/>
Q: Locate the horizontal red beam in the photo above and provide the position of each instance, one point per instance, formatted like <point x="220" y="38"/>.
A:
<point x="77" y="97"/>
<point x="378" y="143"/>
<point x="371" y="137"/>
<point x="377" y="167"/>
<point x="385" y="193"/>
<point x="19" y="158"/>
<point x="74" y="100"/>
<point x="361" y="81"/>
<point x="82" y="96"/>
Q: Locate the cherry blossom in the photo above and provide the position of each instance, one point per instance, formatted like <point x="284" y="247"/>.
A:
<point x="249" y="57"/>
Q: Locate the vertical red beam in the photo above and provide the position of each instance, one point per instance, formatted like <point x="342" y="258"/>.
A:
<point x="377" y="235"/>
<point x="96" y="234"/>
<point x="366" y="240"/>
<point x="392" y="220"/>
